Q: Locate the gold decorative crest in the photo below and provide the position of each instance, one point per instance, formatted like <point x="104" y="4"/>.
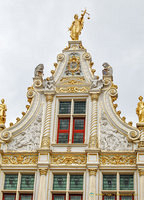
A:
<point x="19" y="159"/>
<point x="117" y="159"/>
<point x="72" y="90"/>
<point x="74" y="64"/>
<point x="69" y="159"/>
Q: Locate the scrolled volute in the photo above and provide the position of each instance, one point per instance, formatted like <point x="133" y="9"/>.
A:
<point x="87" y="56"/>
<point x="6" y="136"/>
<point x="37" y="83"/>
<point x="134" y="135"/>
<point x="60" y="57"/>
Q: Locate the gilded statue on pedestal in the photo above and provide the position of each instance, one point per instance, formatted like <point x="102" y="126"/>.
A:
<point x="77" y="25"/>
<point x="140" y="110"/>
<point x="3" y="110"/>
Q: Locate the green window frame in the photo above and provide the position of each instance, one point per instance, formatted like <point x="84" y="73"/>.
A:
<point x="126" y="182"/>
<point x="109" y="182"/>
<point x="76" y="182"/>
<point x="27" y="182"/>
<point x="60" y="182"/>
<point x="11" y="181"/>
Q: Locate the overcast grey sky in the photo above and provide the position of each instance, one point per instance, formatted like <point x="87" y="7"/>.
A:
<point x="35" y="31"/>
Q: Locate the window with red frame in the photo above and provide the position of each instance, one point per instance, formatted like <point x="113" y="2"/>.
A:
<point x="71" y="113"/>
<point x="9" y="197"/>
<point x="63" y="130"/>
<point x="59" y="197"/>
<point x="26" y="197"/>
<point x="109" y="197"/>
<point x="75" y="197"/>
<point x="78" y="130"/>
<point x="127" y="197"/>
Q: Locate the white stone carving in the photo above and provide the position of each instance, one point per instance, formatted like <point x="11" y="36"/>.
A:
<point x="29" y="139"/>
<point x="111" y="139"/>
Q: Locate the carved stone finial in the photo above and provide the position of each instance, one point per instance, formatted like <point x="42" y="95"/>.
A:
<point x="140" y="109"/>
<point x="77" y="25"/>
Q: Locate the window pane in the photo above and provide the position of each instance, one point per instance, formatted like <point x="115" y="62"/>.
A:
<point x="63" y="138"/>
<point x="109" y="197"/>
<point x="75" y="197"/>
<point x="10" y="181"/>
<point x="65" y="107"/>
<point x="60" y="182"/>
<point x="26" y="197"/>
<point x="79" y="107"/>
<point x="9" y="196"/>
<point x="79" y="124"/>
<point x="27" y="182"/>
<point x="109" y="182"/>
<point x="59" y="197"/>
<point x="126" y="197"/>
<point x="76" y="182"/>
<point x="64" y="124"/>
<point x="78" y="138"/>
<point x="126" y="182"/>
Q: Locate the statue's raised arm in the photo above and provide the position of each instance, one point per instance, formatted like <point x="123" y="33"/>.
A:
<point x="77" y="26"/>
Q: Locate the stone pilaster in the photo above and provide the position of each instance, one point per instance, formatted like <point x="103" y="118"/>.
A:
<point x="92" y="183"/>
<point x="141" y="174"/>
<point x="46" y="134"/>
<point x="42" y="186"/>
<point x="93" y="140"/>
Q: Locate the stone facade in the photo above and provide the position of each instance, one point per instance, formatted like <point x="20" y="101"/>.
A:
<point x="106" y="144"/>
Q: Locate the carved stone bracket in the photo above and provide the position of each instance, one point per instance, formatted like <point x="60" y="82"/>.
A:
<point x="92" y="172"/>
<point x="43" y="171"/>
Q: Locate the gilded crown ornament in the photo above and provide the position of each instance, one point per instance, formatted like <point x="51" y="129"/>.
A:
<point x="140" y="109"/>
<point x="77" y="25"/>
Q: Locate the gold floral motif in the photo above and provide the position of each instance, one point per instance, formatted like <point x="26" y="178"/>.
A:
<point x="43" y="171"/>
<point x="72" y="90"/>
<point x="92" y="172"/>
<point x="69" y="159"/>
<point x="18" y="159"/>
<point x="117" y="159"/>
<point x="141" y="172"/>
<point x="67" y="78"/>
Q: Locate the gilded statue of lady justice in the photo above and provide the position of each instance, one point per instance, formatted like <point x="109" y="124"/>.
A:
<point x="77" y="25"/>
<point x="140" y="109"/>
<point x="3" y="110"/>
